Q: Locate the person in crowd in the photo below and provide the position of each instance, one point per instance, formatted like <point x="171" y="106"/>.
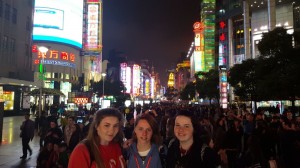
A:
<point x="185" y="151"/>
<point x="169" y="131"/>
<point x="54" y="109"/>
<point x="27" y="134"/>
<point x="54" y="133"/>
<point x="52" y="117"/>
<point x="220" y="133"/>
<point x="233" y="143"/>
<point x="52" y="162"/>
<point x="63" y="158"/>
<point x="71" y="133"/>
<point x="249" y="125"/>
<point x="44" y="155"/>
<point x="33" y="108"/>
<point x="207" y="126"/>
<point x="86" y="128"/>
<point x="102" y="147"/>
<point x="209" y="155"/>
<point x="129" y="127"/>
<point x="253" y="156"/>
<point x="43" y="128"/>
<point x="143" y="152"/>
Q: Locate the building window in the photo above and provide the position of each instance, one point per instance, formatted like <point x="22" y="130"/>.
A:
<point x="28" y="24"/>
<point x="13" y="45"/>
<point x="1" y="8"/>
<point x="7" y="12"/>
<point x="14" y="15"/>
<point x="4" y="43"/>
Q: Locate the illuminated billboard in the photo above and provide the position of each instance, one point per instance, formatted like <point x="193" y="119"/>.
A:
<point x="128" y="80"/>
<point x="152" y="86"/>
<point x="147" y="87"/>
<point x="136" y="79"/>
<point x="199" y="48"/>
<point x="93" y="25"/>
<point x="123" y="73"/>
<point x="58" y="21"/>
<point x="55" y="57"/>
<point x="223" y="88"/>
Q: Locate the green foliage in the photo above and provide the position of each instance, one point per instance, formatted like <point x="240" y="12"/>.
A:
<point x="188" y="93"/>
<point x="207" y="84"/>
<point x="275" y="42"/>
<point x="171" y="93"/>
<point x="243" y="77"/>
<point x="274" y="75"/>
<point x="114" y="88"/>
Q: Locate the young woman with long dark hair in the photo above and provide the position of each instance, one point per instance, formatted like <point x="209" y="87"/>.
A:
<point x="102" y="147"/>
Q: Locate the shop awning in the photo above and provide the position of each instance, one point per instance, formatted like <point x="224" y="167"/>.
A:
<point x="46" y="91"/>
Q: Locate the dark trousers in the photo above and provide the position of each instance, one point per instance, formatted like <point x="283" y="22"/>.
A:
<point x="25" y="145"/>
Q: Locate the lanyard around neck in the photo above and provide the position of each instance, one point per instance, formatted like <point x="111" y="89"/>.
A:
<point x="137" y="162"/>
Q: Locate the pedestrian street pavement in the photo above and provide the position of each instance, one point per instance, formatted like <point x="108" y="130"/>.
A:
<point x="11" y="146"/>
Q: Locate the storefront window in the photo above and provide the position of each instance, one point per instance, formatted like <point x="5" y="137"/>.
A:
<point x="9" y="98"/>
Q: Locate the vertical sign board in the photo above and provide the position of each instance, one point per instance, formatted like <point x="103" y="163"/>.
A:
<point x="136" y="83"/>
<point x="92" y="38"/>
<point x="128" y="80"/>
<point x="147" y="87"/>
<point x="223" y="88"/>
<point x="152" y="87"/>
<point x="92" y="27"/>
<point x="1" y="112"/>
<point x="123" y="73"/>
<point x="1" y="94"/>
<point x="198" y="52"/>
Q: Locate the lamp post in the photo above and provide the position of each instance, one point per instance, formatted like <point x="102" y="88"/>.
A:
<point x="103" y="76"/>
<point x="43" y="51"/>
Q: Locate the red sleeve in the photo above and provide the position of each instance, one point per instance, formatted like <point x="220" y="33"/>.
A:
<point x="80" y="157"/>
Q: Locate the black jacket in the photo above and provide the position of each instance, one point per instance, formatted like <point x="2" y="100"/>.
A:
<point x="191" y="160"/>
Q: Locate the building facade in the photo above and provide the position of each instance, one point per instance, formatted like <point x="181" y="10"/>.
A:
<point x="241" y="24"/>
<point x="16" y="74"/>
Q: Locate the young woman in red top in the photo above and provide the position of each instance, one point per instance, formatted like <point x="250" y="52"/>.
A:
<point x="102" y="147"/>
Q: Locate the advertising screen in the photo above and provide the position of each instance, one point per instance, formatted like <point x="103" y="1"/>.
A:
<point x="58" y="21"/>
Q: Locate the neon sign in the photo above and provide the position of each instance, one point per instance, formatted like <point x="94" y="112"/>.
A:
<point x="81" y="100"/>
<point x="55" y="57"/>
<point x="93" y="25"/>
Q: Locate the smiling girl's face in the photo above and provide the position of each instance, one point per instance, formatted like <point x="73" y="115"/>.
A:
<point x="107" y="129"/>
<point x="183" y="129"/>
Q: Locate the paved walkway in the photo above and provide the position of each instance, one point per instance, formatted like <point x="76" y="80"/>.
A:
<point x="11" y="146"/>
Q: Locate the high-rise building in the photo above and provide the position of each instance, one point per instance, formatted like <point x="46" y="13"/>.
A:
<point x="58" y="26"/>
<point x="16" y="74"/>
<point x="241" y="23"/>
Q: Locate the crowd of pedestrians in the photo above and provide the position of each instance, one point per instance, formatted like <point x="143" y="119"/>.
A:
<point x="169" y="136"/>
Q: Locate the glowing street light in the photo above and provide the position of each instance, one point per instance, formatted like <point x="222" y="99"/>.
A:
<point x="103" y="76"/>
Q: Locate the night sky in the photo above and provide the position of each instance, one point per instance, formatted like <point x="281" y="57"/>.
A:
<point x="157" y="30"/>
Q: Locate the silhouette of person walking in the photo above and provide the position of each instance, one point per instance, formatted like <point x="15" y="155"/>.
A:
<point x="27" y="133"/>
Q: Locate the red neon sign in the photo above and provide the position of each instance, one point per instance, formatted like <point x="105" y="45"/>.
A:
<point x="222" y="37"/>
<point x="222" y="24"/>
<point x="81" y="100"/>
<point x="54" y="54"/>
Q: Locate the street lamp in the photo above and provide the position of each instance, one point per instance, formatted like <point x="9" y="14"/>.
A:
<point x="103" y="75"/>
<point x="43" y="51"/>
